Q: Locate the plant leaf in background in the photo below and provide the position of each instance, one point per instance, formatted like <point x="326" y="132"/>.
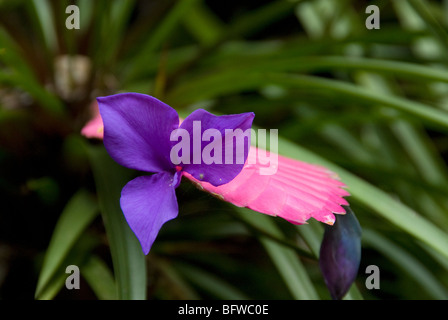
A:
<point x="76" y="217"/>
<point x="340" y="254"/>
<point x="127" y="257"/>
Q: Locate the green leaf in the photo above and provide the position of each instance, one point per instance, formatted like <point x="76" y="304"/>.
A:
<point x="160" y="35"/>
<point x="256" y="19"/>
<point x="260" y="228"/>
<point x="76" y="217"/>
<point x="115" y="17"/>
<point x="18" y="73"/>
<point x="227" y="83"/>
<point x="209" y="282"/>
<point x="100" y="278"/>
<point x="437" y="30"/>
<point x="45" y="22"/>
<point x="383" y="204"/>
<point x="284" y="258"/>
<point x="203" y="24"/>
<point x="79" y="253"/>
<point x="127" y="255"/>
<point x="408" y="263"/>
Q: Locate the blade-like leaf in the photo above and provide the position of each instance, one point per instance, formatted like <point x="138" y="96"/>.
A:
<point x="18" y="73"/>
<point x="160" y="35"/>
<point x="377" y="200"/>
<point x="76" y="217"/>
<point x="45" y="22"/>
<point x="285" y="259"/>
<point x="227" y="83"/>
<point x="77" y="256"/>
<point x="127" y="256"/>
<point x="408" y="263"/>
<point x="100" y="278"/>
<point x="209" y="282"/>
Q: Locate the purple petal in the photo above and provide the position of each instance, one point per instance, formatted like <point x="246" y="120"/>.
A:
<point x="215" y="170"/>
<point x="147" y="203"/>
<point x="137" y="131"/>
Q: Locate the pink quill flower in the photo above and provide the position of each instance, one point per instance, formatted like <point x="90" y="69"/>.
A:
<point x="297" y="191"/>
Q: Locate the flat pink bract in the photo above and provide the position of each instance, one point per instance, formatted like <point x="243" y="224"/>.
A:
<point x="296" y="192"/>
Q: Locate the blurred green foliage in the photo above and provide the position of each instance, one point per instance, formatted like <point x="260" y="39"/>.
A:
<point x="369" y="104"/>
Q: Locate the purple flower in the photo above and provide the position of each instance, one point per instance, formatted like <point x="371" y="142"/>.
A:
<point x="138" y="134"/>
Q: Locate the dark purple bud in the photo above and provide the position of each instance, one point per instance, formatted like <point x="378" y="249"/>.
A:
<point x="340" y="254"/>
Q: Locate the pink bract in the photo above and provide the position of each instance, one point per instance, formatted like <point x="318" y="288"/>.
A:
<point x="95" y="127"/>
<point x="297" y="192"/>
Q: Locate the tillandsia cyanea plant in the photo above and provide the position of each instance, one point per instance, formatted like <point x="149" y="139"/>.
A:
<point x="142" y="133"/>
